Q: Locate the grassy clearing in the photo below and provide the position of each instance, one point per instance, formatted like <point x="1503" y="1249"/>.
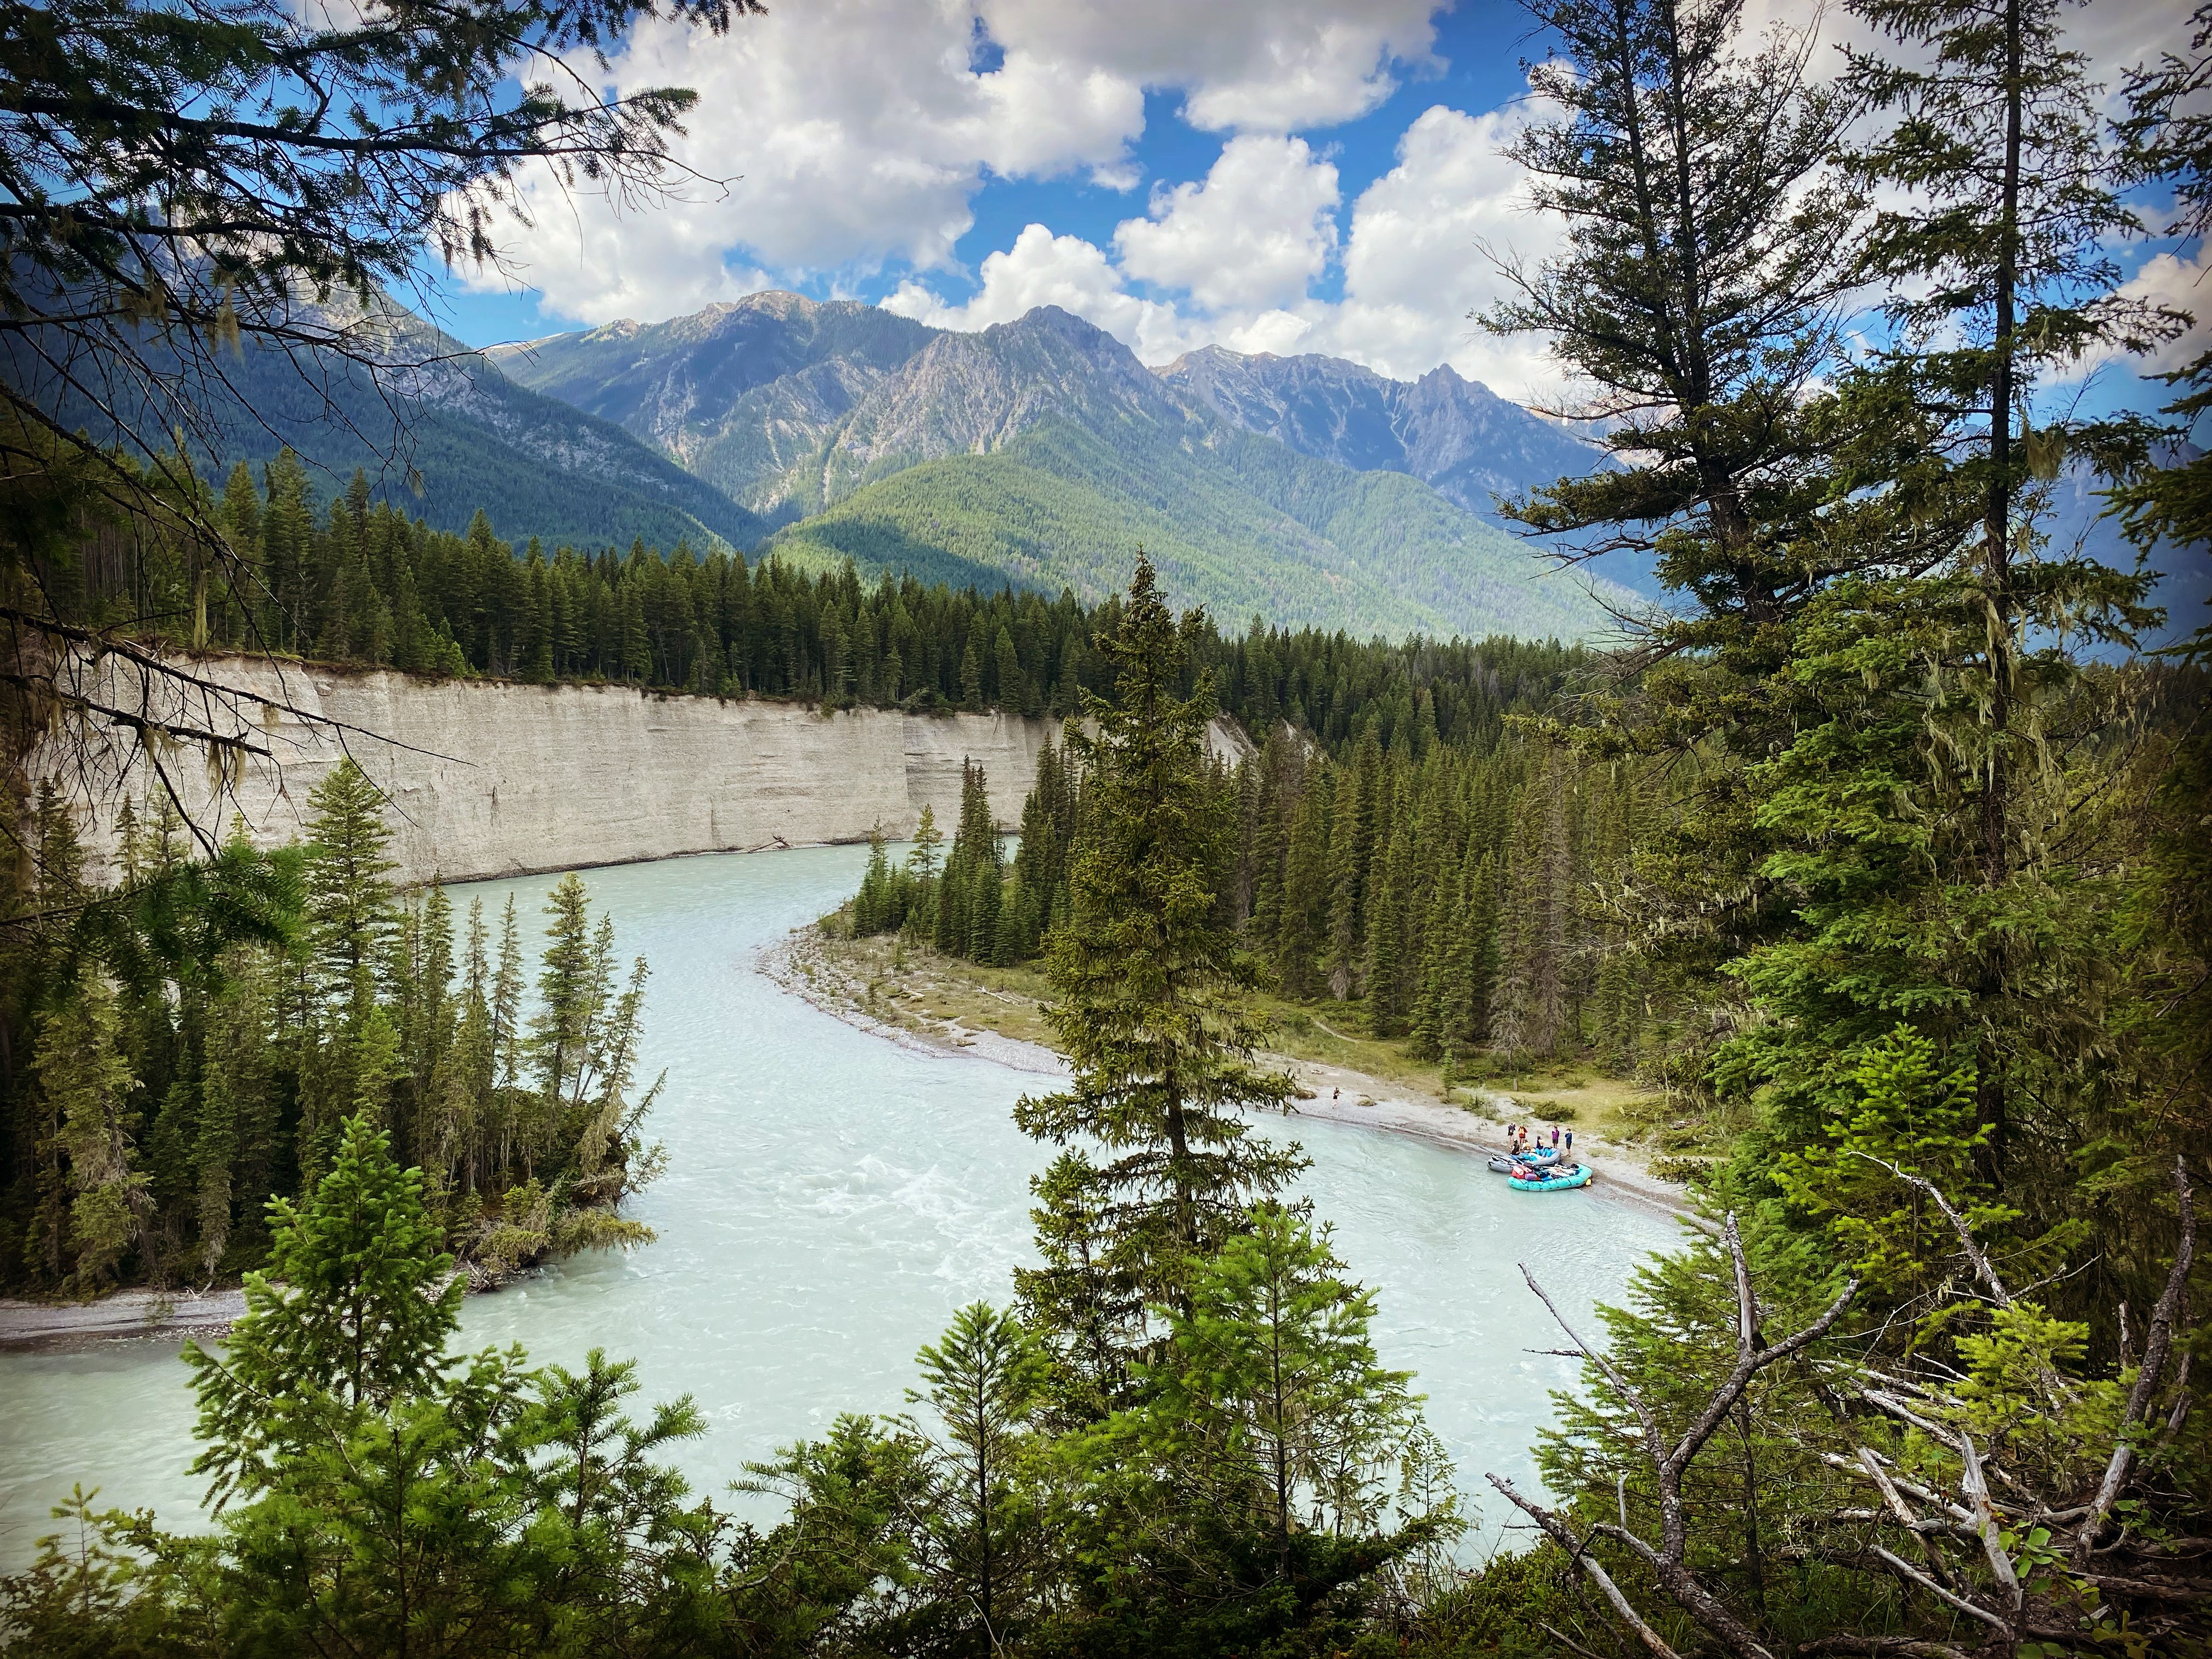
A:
<point x="915" y="988"/>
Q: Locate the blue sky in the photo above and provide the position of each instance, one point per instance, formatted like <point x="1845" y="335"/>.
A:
<point x="1476" y="66"/>
<point x="1292" y="175"/>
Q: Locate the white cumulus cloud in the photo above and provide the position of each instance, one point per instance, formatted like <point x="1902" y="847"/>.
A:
<point x="1258" y="65"/>
<point x="1042" y="269"/>
<point x="849" y="132"/>
<point x="1240" y="253"/>
<point x="1419" y="256"/>
<point x="839" y="135"/>
<point x="1257" y="231"/>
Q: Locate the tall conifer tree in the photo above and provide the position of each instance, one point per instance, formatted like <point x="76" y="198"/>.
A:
<point x="1149" y="987"/>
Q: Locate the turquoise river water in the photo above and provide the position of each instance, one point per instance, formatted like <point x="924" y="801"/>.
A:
<point x="831" y="1197"/>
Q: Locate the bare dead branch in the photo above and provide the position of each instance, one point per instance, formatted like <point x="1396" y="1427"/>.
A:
<point x="1935" y="1499"/>
<point x="1906" y="1570"/>
<point x="1556" y="1529"/>
<point x="1668" y="1559"/>
<point x="1912" y="1522"/>
<point x="1565" y="1640"/>
<point x="1982" y="1268"/>
<point x="2158" y="1345"/>
<point x="1621" y="1384"/>
<point x="1985" y="1522"/>
<point x="1886" y="1401"/>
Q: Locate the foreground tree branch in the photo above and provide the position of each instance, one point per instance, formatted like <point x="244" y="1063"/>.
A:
<point x="1668" y="1559"/>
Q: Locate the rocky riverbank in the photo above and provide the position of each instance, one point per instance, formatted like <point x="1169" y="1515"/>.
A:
<point x="172" y="1315"/>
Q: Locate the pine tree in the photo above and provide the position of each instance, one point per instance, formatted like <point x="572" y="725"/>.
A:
<point x="423" y="980"/>
<point x="1995" y="248"/>
<point x="949" y="919"/>
<point x="1268" y="812"/>
<point x="1432" y="1023"/>
<point x="1303" y="933"/>
<point x="986" y="906"/>
<point x="1383" y="965"/>
<point x="875" y="906"/>
<point x="1006" y="673"/>
<point x="1244" y="1503"/>
<point x="1474" y="962"/>
<point x="87" y="1082"/>
<point x="473" y="1075"/>
<point x="1271" y="1371"/>
<point x="507" y="1001"/>
<point x="353" y="1310"/>
<point x="971" y="679"/>
<point x="571" y="992"/>
<point x="982" y="1378"/>
<point x="1351" y="849"/>
<point x="234" y="1152"/>
<point x="1009" y="935"/>
<point x="536" y="644"/>
<point x="351" y="915"/>
<point x="1148" y="986"/>
<point x="921" y="857"/>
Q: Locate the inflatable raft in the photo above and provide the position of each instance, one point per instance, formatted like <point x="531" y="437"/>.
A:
<point x="1547" y="1180"/>
<point x="1503" y="1162"/>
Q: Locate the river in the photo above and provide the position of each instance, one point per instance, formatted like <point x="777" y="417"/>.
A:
<point x="831" y="1198"/>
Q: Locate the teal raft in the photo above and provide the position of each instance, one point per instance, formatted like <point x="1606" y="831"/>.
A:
<point x="1548" y="1180"/>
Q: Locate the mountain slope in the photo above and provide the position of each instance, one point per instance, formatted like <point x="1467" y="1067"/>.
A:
<point x="470" y="437"/>
<point x="1455" y="434"/>
<point x="1044" y="453"/>
<point x="1060" y="505"/>
<point x="742" y="396"/>
<point x="537" y="466"/>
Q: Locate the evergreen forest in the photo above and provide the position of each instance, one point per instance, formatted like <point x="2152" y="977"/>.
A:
<point x="356" y="582"/>
<point x="184" y="1054"/>
<point x="1883" y="850"/>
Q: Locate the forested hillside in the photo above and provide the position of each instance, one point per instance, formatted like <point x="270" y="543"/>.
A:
<point x="1020" y="452"/>
<point x="362" y="583"/>
<point x="436" y="430"/>
<point x="1242" y="528"/>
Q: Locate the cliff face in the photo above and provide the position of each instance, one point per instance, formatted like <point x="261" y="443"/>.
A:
<point x="493" y="780"/>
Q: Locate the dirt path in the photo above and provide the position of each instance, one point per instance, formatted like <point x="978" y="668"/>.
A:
<point x="1338" y="1093"/>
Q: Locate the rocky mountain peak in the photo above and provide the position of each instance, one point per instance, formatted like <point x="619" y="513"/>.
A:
<point x="1455" y="434"/>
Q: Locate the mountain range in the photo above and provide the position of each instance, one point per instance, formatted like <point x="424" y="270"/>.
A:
<point x="1043" y="451"/>
<point x="1304" y="489"/>
<point x="1455" y="434"/>
<point x="1039" y="452"/>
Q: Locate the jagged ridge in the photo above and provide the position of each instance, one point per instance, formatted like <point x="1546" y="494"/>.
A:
<point x="1043" y="451"/>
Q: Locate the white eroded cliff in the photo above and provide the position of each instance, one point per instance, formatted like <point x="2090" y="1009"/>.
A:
<point x="492" y="779"/>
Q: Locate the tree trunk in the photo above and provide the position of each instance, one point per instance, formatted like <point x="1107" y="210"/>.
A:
<point x="1989" y="1104"/>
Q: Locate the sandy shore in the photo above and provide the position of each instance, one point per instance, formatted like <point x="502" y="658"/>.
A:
<point x="1335" y="1093"/>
